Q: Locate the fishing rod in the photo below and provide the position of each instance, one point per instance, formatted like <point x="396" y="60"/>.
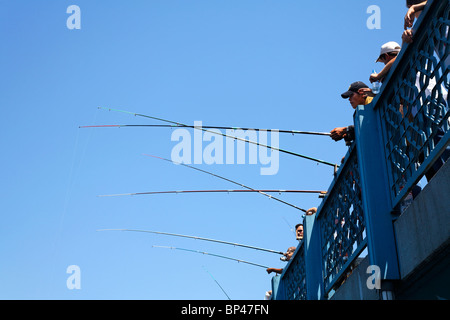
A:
<point x="217" y="283"/>
<point x="206" y="127"/>
<point x="229" y="180"/>
<point x="210" y="191"/>
<point x="197" y="238"/>
<point x="212" y="254"/>
<point x="225" y="135"/>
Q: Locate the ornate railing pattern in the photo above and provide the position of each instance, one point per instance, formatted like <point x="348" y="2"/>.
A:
<point x="414" y="103"/>
<point x="342" y="221"/>
<point x="408" y="126"/>
<point x="295" y="276"/>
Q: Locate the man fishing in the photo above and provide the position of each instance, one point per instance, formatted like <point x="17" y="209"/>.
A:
<point x="228" y="136"/>
<point x="287" y="256"/>
<point x="357" y="95"/>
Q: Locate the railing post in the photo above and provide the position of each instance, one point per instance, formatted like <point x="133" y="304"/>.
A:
<point x="313" y="258"/>
<point x="375" y="190"/>
<point x="277" y="288"/>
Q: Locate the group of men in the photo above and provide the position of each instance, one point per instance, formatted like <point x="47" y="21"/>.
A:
<point x="291" y="250"/>
<point x="359" y="93"/>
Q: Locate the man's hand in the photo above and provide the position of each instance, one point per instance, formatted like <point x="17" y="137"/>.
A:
<point x="374" y="77"/>
<point x="366" y="92"/>
<point x="407" y="36"/>
<point x="338" y="133"/>
<point x="409" y="17"/>
<point x="270" y="270"/>
<point x="411" y="14"/>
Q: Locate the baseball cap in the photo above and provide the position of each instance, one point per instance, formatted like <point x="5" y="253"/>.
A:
<point x="390" y="46"/>
<point x="354" y="87"/>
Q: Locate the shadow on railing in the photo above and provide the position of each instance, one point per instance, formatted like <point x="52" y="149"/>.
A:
<point x="293" y="278"/>
<point x="340" y="225"/>
<point x="413" y="104"/>
<point x="402" y="136"/>
<point x="341" y="219"/>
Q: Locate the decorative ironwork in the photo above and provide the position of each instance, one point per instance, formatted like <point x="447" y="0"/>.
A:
<point x="342" y="222"/>
<point x="294" y="278"/>
<point x="415" y="134"/>
<point x="414" y="107"/>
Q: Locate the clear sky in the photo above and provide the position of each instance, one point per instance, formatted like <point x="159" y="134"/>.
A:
<point x="251" y="63"/>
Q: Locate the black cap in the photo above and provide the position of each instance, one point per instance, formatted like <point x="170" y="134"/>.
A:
<point x="354" y="87"/>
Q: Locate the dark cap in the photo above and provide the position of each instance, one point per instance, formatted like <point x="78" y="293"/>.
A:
<point x="354" y="87"/>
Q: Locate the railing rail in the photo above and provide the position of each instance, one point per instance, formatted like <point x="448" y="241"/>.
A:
<point x="402" y="136"/>
<point x="413" y="104"/>
<point x="294" y="276"/>
<point x="341" y="220"/>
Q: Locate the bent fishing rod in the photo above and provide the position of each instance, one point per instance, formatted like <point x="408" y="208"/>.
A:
<point x="212" y="254"/>
<point x="217" y="283"/>
<point x="229" y="180"/>
<point x="206" y="127"/>
<point x="197" y="238"/>
<point x="225" y="135"/>
<point x="210" y="191"/>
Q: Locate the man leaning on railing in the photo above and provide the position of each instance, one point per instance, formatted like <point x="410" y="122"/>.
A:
<point x="357" y="94"/>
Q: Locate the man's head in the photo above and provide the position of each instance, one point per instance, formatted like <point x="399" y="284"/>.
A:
<point x="290" y="252"/>
<point x="299" y="231"/>
<point x="388" y="51"/>
<point x="353" y="96"/>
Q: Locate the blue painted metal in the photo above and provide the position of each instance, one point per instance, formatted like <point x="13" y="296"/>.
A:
<point x="413" y="104"/>
<point x="294" y="276"/>
<point x="313" y="258"/>
<point x="342" y="222"/>
<point x="401" y="136"/>
<point x="277" y="290"/>
<point x="375" y="191"/>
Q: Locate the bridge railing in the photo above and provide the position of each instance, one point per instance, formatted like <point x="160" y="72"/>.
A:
<point x="293" y="279"/>
<point x="342" y="222"/>
<point x="402" y="136"/>
<point x="334" y="238"/>
<point x="413" y="105"/>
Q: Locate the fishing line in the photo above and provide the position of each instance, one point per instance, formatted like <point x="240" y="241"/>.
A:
<point x="225" y="135"/>
<point x="197" y="238"/>
<point x="229" y="180"/>
<point x="206" y="127"/>
<point x="217" y="283"/>
<point x="209" y="191"/>
<point x="214" y="255"/>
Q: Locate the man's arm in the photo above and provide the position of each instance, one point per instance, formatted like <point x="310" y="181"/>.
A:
<point x="338" y="133"/>
<point x="382" y="74"/>
<point x="276" y="270"/>
<point x="407" y="35"/>
<point x="410" y="15"/>
<point x="350" y="136"/>
<point x="343" y="132"/>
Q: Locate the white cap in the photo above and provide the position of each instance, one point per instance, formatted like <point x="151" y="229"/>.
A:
<point x="390" y="46"/>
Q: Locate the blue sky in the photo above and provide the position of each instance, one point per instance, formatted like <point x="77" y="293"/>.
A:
<point x="265" y="64"/>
